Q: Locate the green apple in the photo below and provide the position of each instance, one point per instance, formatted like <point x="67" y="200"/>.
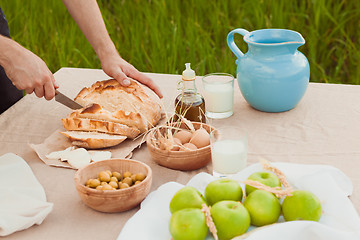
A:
<point x="264" y="208"/>
<point x="223" y="189"/>
<point x="302" y="205"/>
<point x="266" y="178"/>
<point x="188" y="224"/>
<point x="186" y="197"/>
<point x="231" y="219"/>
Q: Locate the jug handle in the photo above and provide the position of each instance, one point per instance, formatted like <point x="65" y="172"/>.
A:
<point x="230" y="41"/>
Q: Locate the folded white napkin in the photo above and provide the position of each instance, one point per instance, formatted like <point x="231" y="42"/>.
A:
<point x="339" y="219"/>
<point x="22" y="198"/>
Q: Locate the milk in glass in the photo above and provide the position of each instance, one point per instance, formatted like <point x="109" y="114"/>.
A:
<point x="228" y="156"/>
<point x="219" y="95"/>
<point x="219" y="99"/>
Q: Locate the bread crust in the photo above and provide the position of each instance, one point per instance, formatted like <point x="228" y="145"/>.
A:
<point x="85" y="124"/>
<point x="129" y="105"/>
<point x="93" y="140"/>
<point x="95" y="112"/>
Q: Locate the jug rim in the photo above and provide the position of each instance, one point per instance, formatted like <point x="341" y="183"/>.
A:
<point x="247" y="37"/>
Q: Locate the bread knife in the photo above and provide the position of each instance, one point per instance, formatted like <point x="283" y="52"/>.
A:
<point x="61" y="98"/>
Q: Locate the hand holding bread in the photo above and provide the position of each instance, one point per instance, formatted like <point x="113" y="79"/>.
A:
<point x="119" y="69"/>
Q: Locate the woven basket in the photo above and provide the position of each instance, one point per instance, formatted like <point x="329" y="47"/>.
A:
<point x="180" y="160"/>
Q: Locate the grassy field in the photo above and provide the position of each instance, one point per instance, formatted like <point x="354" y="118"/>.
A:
<point x="161" y="35"/>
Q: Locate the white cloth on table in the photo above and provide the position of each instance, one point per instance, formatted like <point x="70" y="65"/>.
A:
<point x="338" y="221"/>
<point x="22" y="198"/>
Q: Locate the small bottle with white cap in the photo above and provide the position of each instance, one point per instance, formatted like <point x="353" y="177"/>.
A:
<point x="190" y="103"/>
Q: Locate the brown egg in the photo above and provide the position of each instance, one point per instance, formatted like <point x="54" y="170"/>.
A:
<point x="183" y="135"/>
<point x="188" y="147"/>
<point x="177" y="144"/>
<point x="200" y="138"/>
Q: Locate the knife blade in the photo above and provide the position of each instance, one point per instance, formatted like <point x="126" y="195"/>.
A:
<point x="61" y="98"/>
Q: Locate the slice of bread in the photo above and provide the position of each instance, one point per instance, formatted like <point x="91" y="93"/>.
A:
<point x="96" y="112"/>
<point x="86" y="124"/>
<point x="93" y="140"/>
<point x="129" y="105"/>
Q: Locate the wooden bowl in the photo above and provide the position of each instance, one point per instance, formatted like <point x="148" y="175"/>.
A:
<point x="180" y="160"/>
<point x="118" y="200"/>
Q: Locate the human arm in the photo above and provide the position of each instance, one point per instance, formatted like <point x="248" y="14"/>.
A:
<point x="87" y="15"/>
<point x="26" y="70"/>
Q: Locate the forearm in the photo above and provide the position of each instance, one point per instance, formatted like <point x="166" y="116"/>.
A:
<point x="87" y="15"/>
<point x="26" y="70"/>
<point x="7" y="49"/>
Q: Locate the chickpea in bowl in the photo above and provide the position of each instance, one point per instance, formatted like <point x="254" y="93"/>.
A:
<point x="114" y="199"/>
<point x="108" y="180"/>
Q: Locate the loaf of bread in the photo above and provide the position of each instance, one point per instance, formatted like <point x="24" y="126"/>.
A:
<point x="129" y="105"/>
<point x="111" y="114"/>
<point x="93" y="140"/>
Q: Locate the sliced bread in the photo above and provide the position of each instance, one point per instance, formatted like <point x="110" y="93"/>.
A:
<point x="86" y="124"/>
<point x="96" y="112"/>
<point x="93" y="140"/>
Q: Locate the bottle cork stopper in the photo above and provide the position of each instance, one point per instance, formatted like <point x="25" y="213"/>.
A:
<point x="188" y="73"/>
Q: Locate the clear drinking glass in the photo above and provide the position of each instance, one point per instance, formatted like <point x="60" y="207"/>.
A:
<point x="218" y="91"/>
<point x="228" y="150"/>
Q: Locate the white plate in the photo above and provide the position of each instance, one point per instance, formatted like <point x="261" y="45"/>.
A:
<point x="339" y="219"/>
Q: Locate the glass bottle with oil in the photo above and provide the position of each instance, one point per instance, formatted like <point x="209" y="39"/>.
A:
<point x="189" y="103"/>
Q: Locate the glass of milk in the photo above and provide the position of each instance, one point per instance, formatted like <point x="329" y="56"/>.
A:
<point x="228" y="150"/>
<point x="218" y="91"/>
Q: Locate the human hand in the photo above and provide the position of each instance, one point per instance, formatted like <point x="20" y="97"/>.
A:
<point x="120" y="69"/>
<point x="28" y="72"/>
<point x="88" y="16"/>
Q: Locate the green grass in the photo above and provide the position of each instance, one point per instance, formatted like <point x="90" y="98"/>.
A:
<point x="161" y="35"/>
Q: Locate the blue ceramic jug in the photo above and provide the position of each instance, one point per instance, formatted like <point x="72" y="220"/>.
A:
<point x="273" y="75"/>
